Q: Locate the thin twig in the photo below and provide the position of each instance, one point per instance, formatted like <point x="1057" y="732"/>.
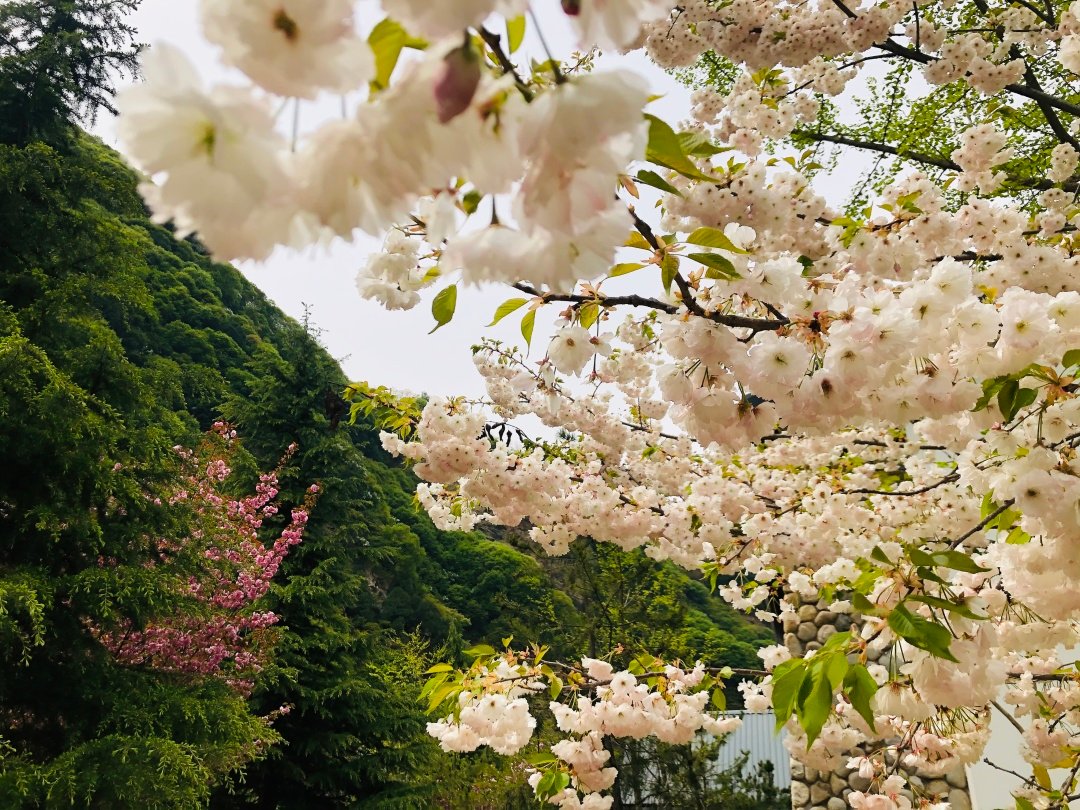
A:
<point x="1008" y="716"/>
<point x="982" y="524"/>
<point x="948" y="479"/>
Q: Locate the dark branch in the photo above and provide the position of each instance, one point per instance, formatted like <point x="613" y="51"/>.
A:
<point x="982" y="524"/>
<point x="948" y="479"/>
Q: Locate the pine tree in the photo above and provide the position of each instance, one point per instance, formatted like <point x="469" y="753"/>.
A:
<point x="77" y="526"/>
<point x="351" y="736"/>
<point x="58" y="61"/>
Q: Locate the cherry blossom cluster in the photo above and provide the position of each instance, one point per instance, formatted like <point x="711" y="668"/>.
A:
<point x="223" y="568"/>
<point x="491" y="706"/>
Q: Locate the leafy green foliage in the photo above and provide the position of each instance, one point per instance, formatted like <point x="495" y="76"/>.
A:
<point x="87" y="445"/>
<point x="387" y="39"/>
<point x="920" y="632"/>
<point x="506" y="307"/>
<point x="443" y="306"/>
<point x="665" y="148"/>
<point x="806" y="688"/>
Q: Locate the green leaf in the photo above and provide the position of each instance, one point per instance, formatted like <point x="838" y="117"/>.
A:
<point x="386" y="40"/>
<point x="837" y="641"/>
<point x="1023" y="804"/>
<point x="540" y="758"/>
<point x="990" y="387"/>
<point x="1024" y="397"/>
<point x="668" y="268"/>
<point x="1071" y="358"/>
<point x="515" y="32"/>
<point x="694" y="143"/>
<point x="556" y="687"/>
<point x="624" y="268"/>
<point x="714" y="238"/>
<point x="862" y="604"/>
<point x="920" y="632"/>
<point x="443" y="306"/>
<point x="1006" y="397"/>
<point x="816" y="706"/>
<point x="958" y="561"/>
<point x="433" y="683"/>
<point x="718" y="699"/>
<point x="719" y="266"/>
<point x="879" y="554"/>
<point x="860" y="687"/>
<point x="665" y="149"/>
<point x="528" y="323"/>
<point x="439" y="668"/>
<point x="927" y="573"/>
<point x="471" y="201"/>
<point x="1018" y="537"/>
<point x="479" y="651"/>
<point x="1042" y="776"/>
<point x="1005" y="520"/>
<point x="920" y="557"/>
<point x="506" y="307"/>
<point x="588" y="313"/>
<point x="552" y="783"/>
<point x="959" y="608"/>
<point x="650" y="178"/>
<point x="787" y="680"/>
<point x="836" y="668"/>
<point x="440" y="695"/>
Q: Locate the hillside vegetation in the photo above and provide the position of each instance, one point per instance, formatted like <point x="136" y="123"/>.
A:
<point x="119" y="341"/>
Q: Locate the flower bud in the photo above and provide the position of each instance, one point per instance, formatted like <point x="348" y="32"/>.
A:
<point x="457" y="82"/>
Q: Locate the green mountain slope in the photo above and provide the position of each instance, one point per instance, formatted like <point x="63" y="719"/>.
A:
<point x="121" y="341"/>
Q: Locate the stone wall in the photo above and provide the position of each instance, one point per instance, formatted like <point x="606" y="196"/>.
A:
<point x="819" y="790"/>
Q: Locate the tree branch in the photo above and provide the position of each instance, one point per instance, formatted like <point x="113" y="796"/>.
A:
<point x="604" y="301"/>
<point x="982" y="524"/>
<point x="1041" y="184"/>
<point x="948" y="479"/>
<point x="883" y="148"/>
<point x="1034" y="93"/>
<point x="494" y="41"/>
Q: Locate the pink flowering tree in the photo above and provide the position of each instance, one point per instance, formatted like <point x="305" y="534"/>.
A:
<point x="223" y="567"/>
<point x="873" y="407"/>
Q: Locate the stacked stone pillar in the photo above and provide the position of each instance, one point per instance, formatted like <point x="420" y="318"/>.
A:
<point x="820" y="790"/>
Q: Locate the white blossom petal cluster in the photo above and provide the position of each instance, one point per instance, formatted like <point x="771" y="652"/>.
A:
<point x="290" y="47"/>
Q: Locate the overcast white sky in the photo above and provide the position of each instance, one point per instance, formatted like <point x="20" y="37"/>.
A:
<point x="394" y="348"/>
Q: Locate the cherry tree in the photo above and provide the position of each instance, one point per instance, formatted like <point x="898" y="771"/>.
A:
<point x="222" y="567"/>
<point x="873" y="407"/>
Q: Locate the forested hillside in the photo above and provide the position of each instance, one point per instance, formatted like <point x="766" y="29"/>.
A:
<point x="119" y="341"/>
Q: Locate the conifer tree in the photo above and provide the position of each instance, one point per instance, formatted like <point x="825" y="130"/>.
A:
<point x="350" y="736"/>
<point x="58" y="61"/>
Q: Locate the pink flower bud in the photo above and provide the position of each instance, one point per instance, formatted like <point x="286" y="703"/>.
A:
<point x="457" y="83"/>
